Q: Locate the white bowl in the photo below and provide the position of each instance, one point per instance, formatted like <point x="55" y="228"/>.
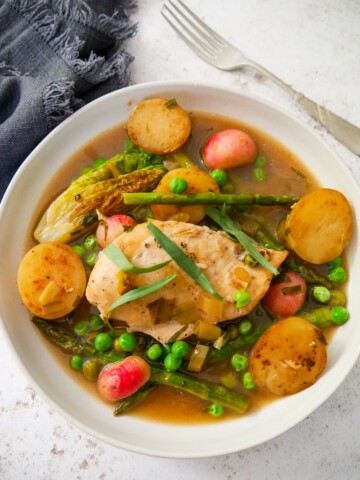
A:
<point x="59" y="388"/>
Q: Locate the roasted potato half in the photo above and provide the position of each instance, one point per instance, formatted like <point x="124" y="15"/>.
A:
<point x="51" y="280"/>
<point x="159" y="126"/>
<point x="288" y="357"/>
<point x="319" y="226"/>
<point x="198" y="182"/>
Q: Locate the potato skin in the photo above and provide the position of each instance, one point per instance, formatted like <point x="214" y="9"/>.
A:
<point x="198" y="182"/>
<point x="319" y="226"/>
<point x="157" y="128"/>
<point x="288" y="357"/>
<point x="48" y="262"/>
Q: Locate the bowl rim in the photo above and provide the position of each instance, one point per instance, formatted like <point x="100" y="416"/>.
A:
<point x="162" y="86"/>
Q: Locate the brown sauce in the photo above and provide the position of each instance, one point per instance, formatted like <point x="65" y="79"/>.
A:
<point x="285" y="175"/>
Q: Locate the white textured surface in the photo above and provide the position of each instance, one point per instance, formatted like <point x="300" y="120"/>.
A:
<point x="315" y="46"/>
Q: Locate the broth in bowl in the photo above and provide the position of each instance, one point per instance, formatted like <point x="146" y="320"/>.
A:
<point x="208" y="325"/>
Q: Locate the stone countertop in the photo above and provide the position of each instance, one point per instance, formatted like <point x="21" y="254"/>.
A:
<point x="314" y="46"/>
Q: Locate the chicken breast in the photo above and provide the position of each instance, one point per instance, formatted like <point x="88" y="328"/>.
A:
<point x="174" y="310"/>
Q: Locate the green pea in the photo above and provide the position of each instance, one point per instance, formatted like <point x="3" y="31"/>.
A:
<point x="99" y="161"/>
<point x="215" y="410"/>
<point x="339" y="315"/>
<point x="337" y="298"/>
<point x="103" y="341"/>
<point x="91" y="259"/>
<point x="245" y="327"/>
<point x="248" y="381"/>
<point x="259" y="174"/>
<point x="260" y="161"/>
<point x="180" y="349"/>
<point x="86" y="170"/>
<point x="239" y="362"/>
<point x="241" y="298"/>
<point x="155" y="352"/>
<point x="336" y="262"/>
<point x="90" y="242"/>
<point x="82" y="327"/>
<point x="232" y="332"/>
<point x="228" y="188"/>
<point x="178" y="185"/>
<point x="79" y="249"/>
<point x="117" y="346"/>
<point x="220" y="177"/>
<point x="76" y="362"/>
<point x="338" y="275"/>
<point x="172" y="363"/>
<point x="127" y="342"/>
<point x="91" y="370"/>
<point x="96" y="322"/>
<point x="150" y="215"/>
<point x="321" y="294"/>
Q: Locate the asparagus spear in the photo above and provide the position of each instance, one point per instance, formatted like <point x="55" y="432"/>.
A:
<point x="71" y="343"/>
<point x="306" y="272"/>
<point x="73" y="212"/>
<point x="323" y="316"/>
<point x="202" y="389"/>
<point x="126" y="404"/>
<point x="236" y="345"/>
<point x="209" y="198"/>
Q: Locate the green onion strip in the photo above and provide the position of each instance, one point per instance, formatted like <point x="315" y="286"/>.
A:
<point x="247" y="242"/>
<point x="183" y="260"/>
<point x="119" y="259"/>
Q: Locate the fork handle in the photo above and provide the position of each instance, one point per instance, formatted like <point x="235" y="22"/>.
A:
<point x="344" y="131"/>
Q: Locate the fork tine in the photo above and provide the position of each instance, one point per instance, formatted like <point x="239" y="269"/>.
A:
<point x="210" y="41"/>
<point x="203" y="53"/>
<point x="215" y="36"/>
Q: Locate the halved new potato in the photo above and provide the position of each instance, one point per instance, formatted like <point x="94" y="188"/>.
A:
<point x="159" y="126"/>
<point x="319" y="226"/>
<point x="51" y="280"/>
<point x="198" y="182"/>
<point x="288" y="357"/>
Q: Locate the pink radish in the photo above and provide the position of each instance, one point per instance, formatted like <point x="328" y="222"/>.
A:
<point x="287" y="297"/>
<point x="120" y="379"/>
<point x="228" y="149"/>
<point x="110" y="228"/>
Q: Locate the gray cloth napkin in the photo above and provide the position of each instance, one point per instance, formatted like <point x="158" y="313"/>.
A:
<point x="55" y="56"/>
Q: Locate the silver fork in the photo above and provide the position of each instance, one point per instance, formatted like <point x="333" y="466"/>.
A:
<point x="217" y="51"/>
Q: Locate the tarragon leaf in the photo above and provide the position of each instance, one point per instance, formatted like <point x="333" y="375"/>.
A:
<point x="120" y="260"/>
<point x="183" y="260"/>
<point x="247" y="242"/>
<point x="140" y="292"/>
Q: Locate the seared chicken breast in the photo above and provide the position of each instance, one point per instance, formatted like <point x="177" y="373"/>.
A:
<point x="174" y="310"/>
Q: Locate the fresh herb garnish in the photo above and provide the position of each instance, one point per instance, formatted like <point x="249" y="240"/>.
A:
<point x="183" y="260"/>
<point x="140" y="292"/>
<point x="122" y="263"/>
<point x="172" y="103"/>
<point x="229" y="226"/>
